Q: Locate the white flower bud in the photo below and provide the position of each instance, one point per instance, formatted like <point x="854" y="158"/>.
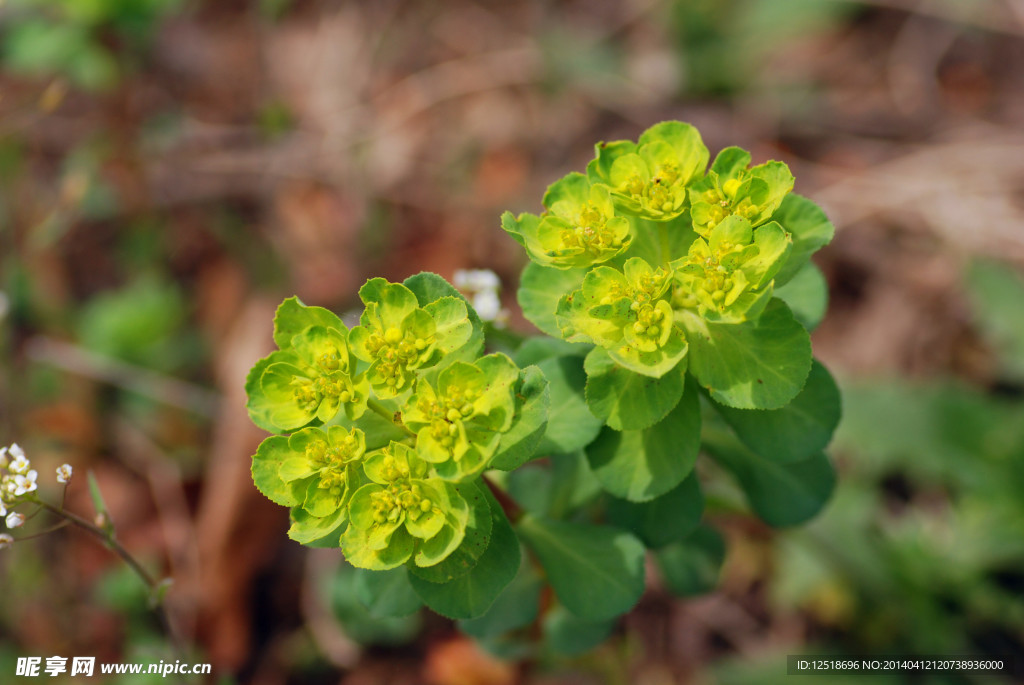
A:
<point x="64" y="474"/>
<point x="15" y="520"/>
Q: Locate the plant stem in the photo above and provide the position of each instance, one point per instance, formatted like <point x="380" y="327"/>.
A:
<point x="665" y="247"/>
<point x="512" y="509"/>
<point x="110" y="541"/>
<point x="376" y="406"/>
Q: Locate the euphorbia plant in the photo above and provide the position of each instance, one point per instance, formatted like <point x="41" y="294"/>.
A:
<point x="676" y="301"/>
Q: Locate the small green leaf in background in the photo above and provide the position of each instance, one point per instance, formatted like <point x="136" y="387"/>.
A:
<point x="540" y="288"/>
<point x="626" y="400"/>
<point x="754" y="365"/>
<point x="386" y="593"/>
<point x="996" y="292"/>
<point x="641" y="465"/>
<point x="663" y="520"/>
<point x="515" y="608"/>
<point x="555" y="488"/>
<point x="568" y="634"/>
<point x="796" y="431"/>
<point x="691" y="566"/>
<point x="539" y="348"/>
<point x="472" y="594"/>
<point x="142" y="323"/>
<point x="571" y="426"/>
<point x="359" y="624"/>
<point x="781" y="494"/>
<point x="806" y="295"/>
<point x="597" y="572"/>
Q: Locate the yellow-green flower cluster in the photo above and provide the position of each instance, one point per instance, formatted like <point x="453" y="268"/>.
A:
<point x="648" y="234"/>
<point x="390" y="420"/>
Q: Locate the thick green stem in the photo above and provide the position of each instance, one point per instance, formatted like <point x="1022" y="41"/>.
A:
<point x="665" y="244"/>
<point x="376" y="406"/>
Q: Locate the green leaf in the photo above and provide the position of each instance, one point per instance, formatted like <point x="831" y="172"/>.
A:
<point x="293" y="317"/>
<point x="691" y="567"/>
<point x="659" y="242"/>
<point x="758" y="364"/>
<point x="573" y="485"/>
<point x="530" y="422"/>
<point x="796" y="431"/>
<point x="996" y="291"/>
<point x="266" y="470"/>
<point x="731" y="162"/>
<point x="386" y="594"/>
<point x="663" y="520"/>
<point x="314" y="531"/>
<point x="379" y="431"/>
<point x="478" y="536"/>
<point x="597" y="572"/>
<point x="626" y="400"/>
<point x="567" y="634"/>
<point x="540" y="288"/>
<point x="429" y="287"/>
<point x="539" y="348"/>
<point x="810" y="228"/>
<point x="342" y="593"/>
<point x="807" y="295"/>
<point x="472" y="594"/>
<point x="571" y="426"/>
<point x="641" y="465"/>
<point x="260" y="407"/>
<point x="781" y="494"/>
<point x="555" y="488"/>
<point x="98" y="503"/>
<point x="516" y="607"/>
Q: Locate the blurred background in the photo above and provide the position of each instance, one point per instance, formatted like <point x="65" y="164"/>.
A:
<point x="171" y="169"/>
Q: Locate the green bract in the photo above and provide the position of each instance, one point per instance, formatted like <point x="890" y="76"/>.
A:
<point x="579" y="229"/>
<point x="311" y="378"/>
<point x="459" y="419"/>
<point x="728" y="276"/>
<point x="649" y="178"/>
<point x="732" y="188"/>
<point x="629" y="314"/>
<point x="399" y="337"/>
<point x="313" y="468"/>
<point x="404" y="513"/>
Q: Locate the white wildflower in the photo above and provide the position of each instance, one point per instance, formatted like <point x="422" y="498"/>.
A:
<point x="3" y="509"/>
<point x="25" y="484"/>
<point x="476" y="279"/>
<point x="64" y="474"/>
<point x="5" y="540"/>
<point x="483" y="287"/>
<point x="14" y="520"/>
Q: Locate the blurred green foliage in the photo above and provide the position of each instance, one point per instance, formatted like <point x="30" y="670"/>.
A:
<point x="142" y="323"/>
<point x="74" y="38"/>
<point x="922" y="550"/>
<point x="723" y="43"/>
